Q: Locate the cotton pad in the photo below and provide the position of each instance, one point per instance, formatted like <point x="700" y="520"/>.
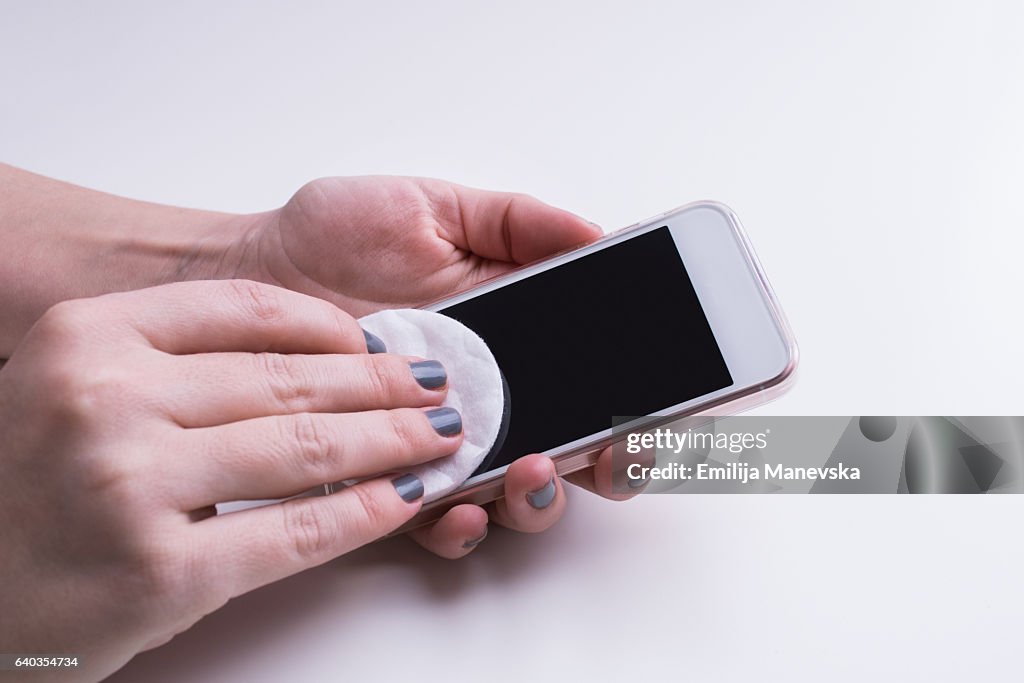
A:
<point x="476" y="388"/>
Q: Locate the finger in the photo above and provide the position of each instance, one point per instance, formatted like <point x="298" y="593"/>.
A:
<point x="274" y="457"/>
<point x="607" y="478"/>
<point x="203" y="390"/>
<point x="456" y="534"/>
<point x="254" y="547"/>
<point x="504" y="226"/>
<point x="238" y="315"/>
<point x="534" y="499"/>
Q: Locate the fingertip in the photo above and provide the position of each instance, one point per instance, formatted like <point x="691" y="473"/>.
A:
<point x="374" y="344"/>
<point x="377" y="507"/>
<point x="592" y="229"/>
<point x="534" y="497"/>
<point x="512" y="227"/>
<point x="548" y="230"/>
<point x="409" y="488"/>
<point x="471" y="526"/>
<point x="608" y="483"/>
<point x="456" y="534"/>
<point x="528" y="473"/>
<point x="430" y="375"/>
<point x="572" y="223"/>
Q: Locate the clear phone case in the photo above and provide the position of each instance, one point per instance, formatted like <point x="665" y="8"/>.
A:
<point x="490" y="489"/>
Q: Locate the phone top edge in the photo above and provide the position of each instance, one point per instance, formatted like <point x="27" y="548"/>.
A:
<point x="612" y="236"/>
<point x="700" y="203"/>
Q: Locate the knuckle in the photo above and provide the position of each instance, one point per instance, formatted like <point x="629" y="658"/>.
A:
<point x="97" y="392"/>
<point x="410" y="435"/>
<point x="66" y="319"/>
<point x="312" y="530"/>
<point x="370" y="517"/>
<point x="256" y="300"/>
<point x="119" y="481"/>
<point x="60" y="377"/>
<point x="388" y="376"/>
<point x="162" y="572"/>
<point x="314" y="449"/>
<point x="158" y="570"/>
<point x="289" y="384"/>
<point x="348" y="328"/>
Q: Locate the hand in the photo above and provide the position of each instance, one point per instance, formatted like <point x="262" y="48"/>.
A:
<point x="370" y="243"/>
<point x="125" y="418"/>
<point x="385" y="242"/>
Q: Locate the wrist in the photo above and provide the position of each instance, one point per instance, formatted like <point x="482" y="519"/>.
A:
<point x="215" y="247"/>
<point x="67" y="242"/>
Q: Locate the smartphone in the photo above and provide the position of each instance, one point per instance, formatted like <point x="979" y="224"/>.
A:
<point x="663" y="319"/>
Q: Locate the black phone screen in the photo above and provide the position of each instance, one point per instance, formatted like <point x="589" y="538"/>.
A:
<point x="617" y="332"/>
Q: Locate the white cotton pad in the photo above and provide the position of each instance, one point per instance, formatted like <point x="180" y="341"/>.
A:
<point x="476" y="387"/>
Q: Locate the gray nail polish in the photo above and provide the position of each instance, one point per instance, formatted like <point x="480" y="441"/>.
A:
<point x="472" y="543"/>
<point x="409" y="487"/>
<point x="445" y="421"/>
<point x="637" y="483"/>
<point x="542" y="497"/>
<point x="374" y="344"/>
<point x="429" y="373"/>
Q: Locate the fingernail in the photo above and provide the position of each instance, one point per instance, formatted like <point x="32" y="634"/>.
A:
<point x="429" y="373"/>
<point x="542" y="497"/>
<point x="409" y="487"/>
<point x="476" y="541"/>
<point x="637" y="483"/>
<point x="445" y="421"/>
<point x="595" y="225"/>
<point x="374" y="344"/>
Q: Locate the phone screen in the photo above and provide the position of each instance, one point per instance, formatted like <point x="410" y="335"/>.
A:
<point x="617" y="332"/>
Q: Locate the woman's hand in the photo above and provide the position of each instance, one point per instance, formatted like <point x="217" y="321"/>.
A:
<point x="369" y="243"/>
<point x="361" y="243"/>
<point x="124" y="419"/>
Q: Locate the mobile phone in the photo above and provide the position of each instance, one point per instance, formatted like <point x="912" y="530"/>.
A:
<point x="667" y="318"/>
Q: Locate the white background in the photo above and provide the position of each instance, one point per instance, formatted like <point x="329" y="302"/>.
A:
<point x="875" y="153"/>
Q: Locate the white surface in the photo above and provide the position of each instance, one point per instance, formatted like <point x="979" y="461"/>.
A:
<point x="474" y="387"/>
<point x="874" y="152"/>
